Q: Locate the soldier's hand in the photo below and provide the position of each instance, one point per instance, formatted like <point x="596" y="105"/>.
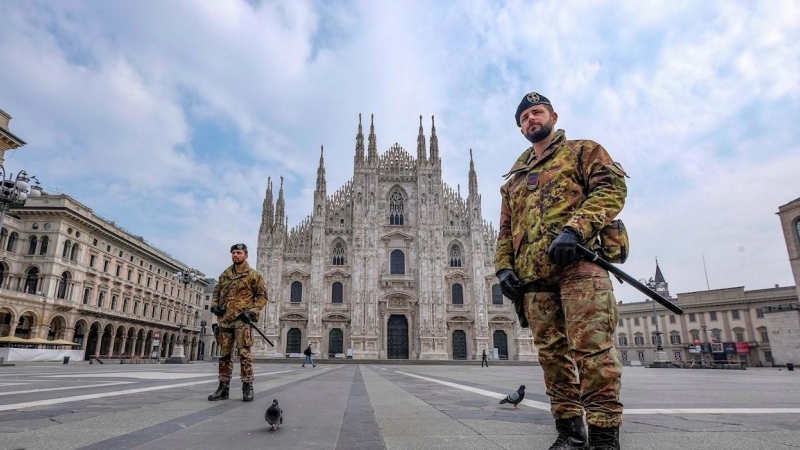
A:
<point x="218" y="310"/>
<point x="247" y="316"/>
<point x="562" y="251"/>
<point x="510" y="284"/>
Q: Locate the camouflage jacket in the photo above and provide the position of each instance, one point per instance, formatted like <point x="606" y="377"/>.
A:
<point x="239" y="292"/>
<point x="573" y="184"/>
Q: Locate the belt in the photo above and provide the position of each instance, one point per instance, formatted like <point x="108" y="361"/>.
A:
<point x="226" y="330"/>
<point x="540" y="287"/>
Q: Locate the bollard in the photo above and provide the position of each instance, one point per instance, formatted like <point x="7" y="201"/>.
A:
<point x="790" y="367"/>
<point x="66" y="360"/>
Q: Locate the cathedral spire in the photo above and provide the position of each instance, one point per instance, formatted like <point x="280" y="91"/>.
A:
<point x="434" y="142"/>
<point x="421" y="152"/>
<point x="268" y="208"/>
<point x="321" y="185"/>
<point x="359" y="158"/>
<point x="473" y="177"/>
<point x="279" y="207"/>
<point x="373" y="142"/>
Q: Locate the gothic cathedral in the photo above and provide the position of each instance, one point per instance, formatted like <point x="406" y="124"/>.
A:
<point x="395" y="264"/>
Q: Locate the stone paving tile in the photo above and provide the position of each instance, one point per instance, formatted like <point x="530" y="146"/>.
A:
<point x="435" y="442"/>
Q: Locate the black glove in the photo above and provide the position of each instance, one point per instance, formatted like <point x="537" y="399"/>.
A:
<point x="510" y="284"/>
<point x="562" y="251"/>
<point x="247" y="316"/>
<point x="219" y="310"/>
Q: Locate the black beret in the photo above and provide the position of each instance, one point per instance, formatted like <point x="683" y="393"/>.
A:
<point x="529" y="100"/>
<point x="238" y="247"/>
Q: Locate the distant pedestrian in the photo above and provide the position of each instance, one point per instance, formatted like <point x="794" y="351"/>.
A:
<point x="308" y="354"/>
<point x="484" y="359"/>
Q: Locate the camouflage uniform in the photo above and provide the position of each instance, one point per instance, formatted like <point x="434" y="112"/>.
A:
<point x="574" y="184"/>
<point x="241" y="291"/>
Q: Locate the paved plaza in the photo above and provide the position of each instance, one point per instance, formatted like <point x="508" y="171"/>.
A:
<point x="373" y="406"/>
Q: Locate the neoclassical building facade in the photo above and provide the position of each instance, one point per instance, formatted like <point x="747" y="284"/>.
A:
<point x="67" y="273"/>
<point x="395" y="264"/>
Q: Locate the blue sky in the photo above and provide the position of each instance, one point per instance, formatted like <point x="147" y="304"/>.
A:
<point x="168" y="117"/>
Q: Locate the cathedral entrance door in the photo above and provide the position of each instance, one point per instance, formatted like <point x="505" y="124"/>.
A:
<point x="501" y="344"/>
<point x="335" y="342"/>
<point x="293" y="341"/>
<point x="459" y="344"/>
<point x="397" y="337"/>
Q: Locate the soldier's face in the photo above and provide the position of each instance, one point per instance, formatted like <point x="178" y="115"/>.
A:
<point x="537" y="122"/>
<point x="238" y="256"/>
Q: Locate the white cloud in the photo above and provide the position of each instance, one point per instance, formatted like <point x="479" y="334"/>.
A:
<point x="690" y="98"/>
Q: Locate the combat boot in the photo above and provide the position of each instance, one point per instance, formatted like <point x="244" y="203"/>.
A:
<point x="571" y="434"/>
<point x="222" y="392"/>
<point x="247" y="392"/>
<point x="603" y="438"/>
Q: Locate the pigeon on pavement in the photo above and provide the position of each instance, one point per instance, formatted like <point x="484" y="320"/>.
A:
<point x="274" y="415"/>
<point x="515" y="397"/>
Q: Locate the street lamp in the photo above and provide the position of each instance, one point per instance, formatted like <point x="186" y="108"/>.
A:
<point x="186" y="276"/>
<point x="661" y="357"/>
<point x="13" y="190"/>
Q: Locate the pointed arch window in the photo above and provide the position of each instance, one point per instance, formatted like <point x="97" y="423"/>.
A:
<point x="43" y="246"/>
<point x="458" y="294"/>
<point x="396" y="209"/>
<point x="32" y="242"/>
<point x="297" y="292"/>
<point x="337" y="292"/>
<point x="497" y="295"/>
<point x="338" y="254"/>
<point x="397" y="262"/>
<point x="455" y="255"/>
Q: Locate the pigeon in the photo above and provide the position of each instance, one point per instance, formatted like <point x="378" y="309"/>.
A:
<point x="274" y="415"/>
<point x="515" y="397"/>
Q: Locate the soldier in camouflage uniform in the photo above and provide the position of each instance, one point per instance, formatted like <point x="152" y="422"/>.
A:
<point x="239" y="297"/>
<point x="561" y="193"/>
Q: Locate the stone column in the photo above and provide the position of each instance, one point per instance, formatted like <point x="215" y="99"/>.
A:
<point x="111" y="345"/>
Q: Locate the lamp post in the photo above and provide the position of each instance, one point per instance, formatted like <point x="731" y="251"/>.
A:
<point x="661" y="355"/>
<point x="185" y="276"/>
<point x="14" y="190"/>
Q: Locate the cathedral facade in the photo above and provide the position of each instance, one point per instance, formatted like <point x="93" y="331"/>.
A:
<point x="395" y="264"/>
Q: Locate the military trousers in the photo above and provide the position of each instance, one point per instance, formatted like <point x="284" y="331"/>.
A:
<point x="242" y="337"/>
<point x="573" y="331"/>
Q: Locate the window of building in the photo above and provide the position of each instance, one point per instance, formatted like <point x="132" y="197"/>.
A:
<point x="33" y="241"/>
<point x="149" y="280"/>
<point x="92" y="259"/>
<point x="655" y="339"/>
<point x="337" y="292"/>
<point x="620" y="322"/>
<point x="653" y="320"/>
<point x="797" y="229"/>
<point x="296" y="292"/>
<point x="119" y="270"/>
<point x="105" y="265"/>
<point x="695" y="336"/>
<point x="73" y="254"/>
<point x="674" y="338"/>
<point x="136" y="308"/>
<point x="397" y="262"/>
<point x="130" y="274"/>
<point x="206" y="308"/>
<point x="716" y="336"/>
<point x="32" y="280"/>
<point x="455" y="255"/>
<point x="125" y="305"/>
<point x="338" y="254"/>
<point x="623" y="340"/>
<point x="101" y="299"/>
<point x="86" y="294"/>
<point x="458" y="294"/>
<point x="740" y="336"/>
<point x="735" y="314"/>
<point x="108" y="248"/>
<point x="638" y="339"/>
<point x="65" y="251"/>
<point x="94" y="242"/>
<point x="144" y="311"/>
<point x="760" y="313"/>
<point x="768" y="356"/>
<point x="497" y="295"/>
<point x="63" y="283"/>
<point x="641" y="356"/>
<point x="764" y="334"/>
<point x="636" y="321"/>
<point x="713" y="316"/>
<point x="396" y="213"/>
<point x="692" y="317"/>
<point x="624" y="356"/>
<point x="113" y="302"/>
<point x="156" y="284"/>
<point x="43" y="246"/>
<point x="671" y="319"/>
<point x="139" y="279"/>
